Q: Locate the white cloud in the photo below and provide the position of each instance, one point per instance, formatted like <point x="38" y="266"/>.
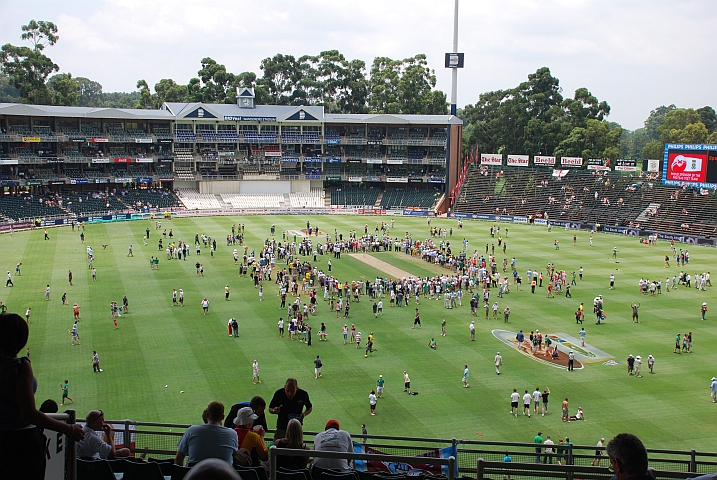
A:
<point x="636" y="55"/>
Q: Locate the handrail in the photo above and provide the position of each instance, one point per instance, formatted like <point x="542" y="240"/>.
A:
<point x="274" y="451"/>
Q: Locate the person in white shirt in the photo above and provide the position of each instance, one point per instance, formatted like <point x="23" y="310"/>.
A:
<point x="514" y="399"/>
<point x="497" y="361"/>
<point x="94" y="446"/>
<point x="332" y="439"/>
<point x="537" y="395"/>
<point x="548" y="458"/>
<point x="526" y="403"/>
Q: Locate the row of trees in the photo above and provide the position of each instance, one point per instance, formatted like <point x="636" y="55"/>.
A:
<point x="531" y="118"/>
<point x="329" y="79"/>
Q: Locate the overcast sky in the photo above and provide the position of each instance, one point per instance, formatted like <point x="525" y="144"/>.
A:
<point x="634" y="54"/>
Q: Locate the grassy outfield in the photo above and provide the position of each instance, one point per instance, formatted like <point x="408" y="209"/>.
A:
<point x="159" y="345"/>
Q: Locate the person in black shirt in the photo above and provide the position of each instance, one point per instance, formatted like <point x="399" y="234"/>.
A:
<point x="289" y="402"/>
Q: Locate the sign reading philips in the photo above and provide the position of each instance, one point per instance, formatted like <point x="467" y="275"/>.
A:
<point x="491" y="159"/>
<point x="238" y="118"/>
<point x="541" y="160"/>
<point x="518" y="160"/>
<point x="571" y="161"/>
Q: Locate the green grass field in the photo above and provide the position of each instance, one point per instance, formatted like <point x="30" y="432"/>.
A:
<point x="158" y="344"/>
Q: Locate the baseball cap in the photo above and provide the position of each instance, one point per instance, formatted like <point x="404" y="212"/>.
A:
<point x="245" y="416"/>
<point x="332" y="424"/>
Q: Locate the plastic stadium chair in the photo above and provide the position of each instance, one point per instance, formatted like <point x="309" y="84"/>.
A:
<point x="251" y="472"/>
<point x="282" y="474"/>
<point x="94" y="470"/>
<point x="179" y="472"/>
<point x="143" y="471"/>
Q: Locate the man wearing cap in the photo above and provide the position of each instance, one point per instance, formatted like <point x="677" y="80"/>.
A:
<point x="210" y="440"/>
<point x="638" y="367"/>
<point x="332" y="439"/>
<point x="379" y="386"/>
<point x="598" y="453"/>
<point x="703" y="309"/>
<point x="713" y="389"/>
<point x="497" y="361"/>
<point x="289" y="402"/>
<point x="250" y="438"/>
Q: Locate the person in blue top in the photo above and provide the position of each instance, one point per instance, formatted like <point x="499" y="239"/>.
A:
<point x="22" y="447"/>
<point x="506" y="472"/>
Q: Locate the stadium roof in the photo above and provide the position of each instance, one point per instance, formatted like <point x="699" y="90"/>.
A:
<point x="20" y="109"/>
<point x="224" y="112"/>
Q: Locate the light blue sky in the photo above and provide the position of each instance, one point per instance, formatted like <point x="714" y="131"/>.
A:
<point x="635" y="54"/>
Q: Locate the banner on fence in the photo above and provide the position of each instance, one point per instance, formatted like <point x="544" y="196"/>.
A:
<point x="542" y="160"/>
<point x="491" y="159"/>
<point x="518" y="160"/>
<point x="413" y="469"/>
<point x="571" y="161"/>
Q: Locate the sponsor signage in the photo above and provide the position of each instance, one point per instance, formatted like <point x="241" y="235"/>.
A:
<point x="53" y="160"/>
<point x="436" y="180"/>
<point x="625" y="165"/>
<point x="144" y="179"/>
<point x="123" y="180"/>
<point x="102" y="180"/>
<point x="687" y="166"/>
<point x="122" y="160"/>
<point x="5" y="227"/>
<point x="415" y="180"/>
<point x="374" y="142"/>
<point x="79" y="181"/>
<point x="144" y="160"/>
<point x="239" y="118"/>
<point x="9" y="161"/>
<point x="333" y="160"/>
<point x="332" y="141"/>
<point x="355" y="179"/>
<point x="394" y="161"/>
<point x="101" y="160"/>
<point x="653" y="166"/>
<point x="333" y="178"/>
<point x="142" y="140"/>
<point x="373" y="178"/>
<point x="57" y="182"/>
<point x="571" y="161"/>
<point x="165" y="179"/>
<point x="33" y="183"/>
<point x="491" y="159"/>
<point x="99" y="140"/>
<point x="600" y="164"/>
<point x="77" y="140"/>
<point x="312" y="159"/>
<point x="374" y="160"/>
<point x="542" y="160"/>
<point x="518" y="160"/>
<point x="31" y="139"/>
<point x="397" y="179"/>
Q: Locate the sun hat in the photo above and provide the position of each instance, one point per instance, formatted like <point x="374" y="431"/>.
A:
<point x="245" y="416"/>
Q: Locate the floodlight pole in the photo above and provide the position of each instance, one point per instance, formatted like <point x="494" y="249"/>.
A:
<point x="454" y="73"/>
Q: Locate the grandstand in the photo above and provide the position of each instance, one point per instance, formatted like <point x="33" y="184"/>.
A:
<point x="193" y="200"/>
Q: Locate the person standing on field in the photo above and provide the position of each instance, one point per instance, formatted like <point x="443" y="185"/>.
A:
<point x="466" y="373"/>
<point x="406" y="382"/>
<point x="255" y="369"/>
<point x="379" y="386"/>
<point x="545" y="395"/>
<point x="95" y="362"/>
<point x="372" y="402"/>
<point x="497" y="361"/>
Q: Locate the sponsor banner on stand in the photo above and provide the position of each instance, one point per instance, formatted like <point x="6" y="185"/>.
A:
<point x="653" y="166"/>
<point x="333" y="160"/>
<point x="5" y="227"/>
<point x="79" y="181"/>
<point x="600" y="164"/>
<point x="102" y="180"/>
<point x="144" y="160"/>
<point x="571" y="161"/>
<point x="355" y="179"/>
<point x="9" y="161"/>
<point x="436" y="180"/>
<point x="410" y="212"/>
<point x="397" y="179"/>
<point x="625" y="165"/>
<point x="634" y="232"/>
<point x="142" y="140"/>
<point x="32" y="183"/>
<point x="312" y="159"/>
<point x="491" y="159"/>
<point x="374" y="160"/>
<point x="123" y="180"/>
<point x="415" y="180"/>
<point x="166" y="179"/>
<point x="122" y="160"/>
<point x="373" y="178"/>
<point x="31" y="139"/>
<point x="99" y="140"/>
<point x="333" y="178"/>
<point x="394" y="161"/>
<point x="518" y="160"/>
<point x="541" y="160"/>
<point x="144" y="179"/>
<point x="101" y="160"/>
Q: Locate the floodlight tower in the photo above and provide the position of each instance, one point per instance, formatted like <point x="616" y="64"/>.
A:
<point x="454" y="61"/>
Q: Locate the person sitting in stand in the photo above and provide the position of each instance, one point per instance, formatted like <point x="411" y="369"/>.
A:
<point x="250" y="438"/>
<point x="94" y="446"/>
<point x="294" y="439"/>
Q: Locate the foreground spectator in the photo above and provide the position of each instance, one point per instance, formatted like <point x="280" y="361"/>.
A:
<point x="251" y="438"/>
<point x="628" y="458"/>
<point x="94" y="446"/>
<point x="289" y="402"/>
<point x="22" y="447"/>
<point x="332" y="439"/>
<point x="211" y="440"/>
<point x="212" y="469"/>
<point x="294" y="439"/>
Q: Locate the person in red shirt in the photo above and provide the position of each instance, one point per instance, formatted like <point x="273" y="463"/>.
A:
<point x="250" y="438"/>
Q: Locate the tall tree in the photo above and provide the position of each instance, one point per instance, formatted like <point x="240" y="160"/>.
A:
<point x="8" y="93"/>
<point x="90" y="93"/>
<point x="281" y="74"/>
<point x="404" y="87"/>
<point x="29" y="68"/>
<point x="65" y="89"/>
